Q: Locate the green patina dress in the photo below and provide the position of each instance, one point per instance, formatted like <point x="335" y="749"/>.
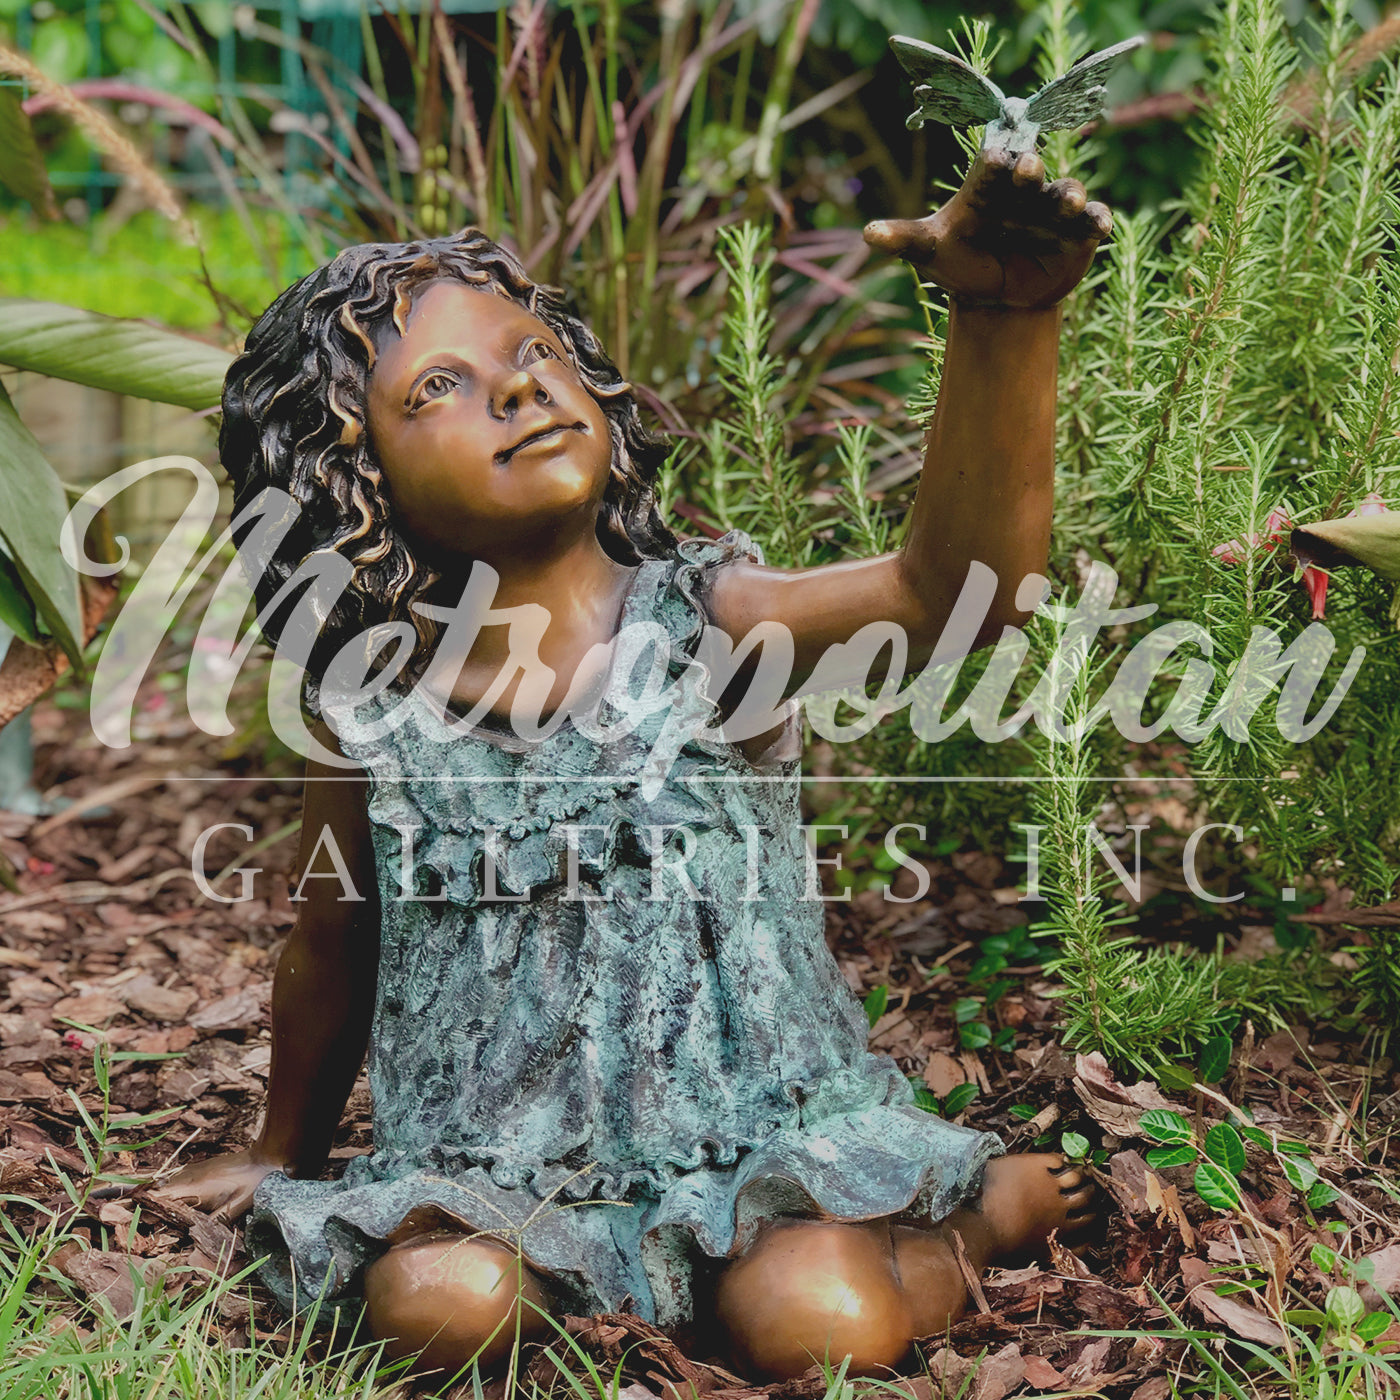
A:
<point x="621" y="1085"/>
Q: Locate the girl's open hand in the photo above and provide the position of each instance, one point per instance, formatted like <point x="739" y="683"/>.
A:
<point x="222" y="1186"/>
<point x="1006" y="238"/>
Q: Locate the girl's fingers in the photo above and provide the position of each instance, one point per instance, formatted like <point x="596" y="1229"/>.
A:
<point x="990" y="172"/>
<point x="1068" y="198"/>
<point x="1029" y="171"/>
<point x="1099" y="219"/>
<point x="903" y="238"/>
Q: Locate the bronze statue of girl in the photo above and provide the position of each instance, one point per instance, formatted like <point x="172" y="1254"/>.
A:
<point x="595" y="1092"/>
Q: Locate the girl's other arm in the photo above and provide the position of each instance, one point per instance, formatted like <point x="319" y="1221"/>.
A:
<point x="322" y="1000"/>
<point x="1008" y="247"/>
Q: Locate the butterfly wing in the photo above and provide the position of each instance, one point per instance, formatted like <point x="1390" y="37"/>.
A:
<point x="1076" y="97"/>
<point x="948" y="89"/>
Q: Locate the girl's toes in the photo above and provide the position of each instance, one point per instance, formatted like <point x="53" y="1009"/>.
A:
<point x="1081" y="1198"/>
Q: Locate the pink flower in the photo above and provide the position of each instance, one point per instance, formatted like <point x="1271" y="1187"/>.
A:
<point x="1278" y="524"/>
<point x="1232" y="551"/>
<point x="1371" y="505"/>
<point x="1315" y="581"/>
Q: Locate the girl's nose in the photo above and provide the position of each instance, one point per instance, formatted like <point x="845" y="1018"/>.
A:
<point x="514" y="389"/>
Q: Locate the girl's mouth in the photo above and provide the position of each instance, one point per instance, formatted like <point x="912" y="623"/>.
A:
<point x="535" y="439"/>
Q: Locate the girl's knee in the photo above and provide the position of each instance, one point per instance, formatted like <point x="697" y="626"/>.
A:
<point x="452" y="1300"/>
<point x="811" y="1291"/>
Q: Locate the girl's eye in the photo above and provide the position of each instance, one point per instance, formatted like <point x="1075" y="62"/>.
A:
<point x="539" y="350"/>
<point x="435" y="386"/>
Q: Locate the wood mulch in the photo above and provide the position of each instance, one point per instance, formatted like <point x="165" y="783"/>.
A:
<point x="109" y="932"/>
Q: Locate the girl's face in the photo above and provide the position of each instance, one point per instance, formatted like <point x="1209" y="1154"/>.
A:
<point x="488" y="439"/>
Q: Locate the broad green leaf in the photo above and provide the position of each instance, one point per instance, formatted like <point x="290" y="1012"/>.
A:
<point x="1321" y="1194"/>
<point x="16" y="606"/>
<point x="986" y="967"/>
<point x="1372" y="1325"/>
<point x="924" y="1098"/>
<point x="1305" y="1317"/>
<point x="975" y="1036"/>
<point x="1299" y="1171"/>
<point x="1171" y="1156"/>
<point x="21" y="166"/>
<point x="994" y="991"/>
<point x="1165" y="1126"/>
<point x="1023" y="1111"/>
<point x="875" y="1002"/>
<point x="1215" y="1058"/>
<point x="33" y="507"/>
<point x="1175" y="1077"/>
<point x="1324" y="1259"/>
<point x="1258" y="1137"/>
<point x="959" y="1098"/>
<point x="965" y="1008"/>
<point x="125" y="357"/>
<point x="1344" y="1306"/>
<point x="1074" y="1145"/>
<point x="1216" y="1187"/>
<point x="1225" y="1149"/>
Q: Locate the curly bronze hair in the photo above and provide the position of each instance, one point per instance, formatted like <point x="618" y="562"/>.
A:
<point x="294" y="416"/>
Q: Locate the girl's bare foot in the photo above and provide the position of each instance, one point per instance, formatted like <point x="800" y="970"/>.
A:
<point x="1023" y="1199"/>
<point x="1027" y="1196"/>
<point x="809" y="1290"/>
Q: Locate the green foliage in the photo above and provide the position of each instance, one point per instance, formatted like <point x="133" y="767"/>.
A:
<point x="1337" y="1364"/>
<point x="762" y="489"/>
<point x="166" y="1349"/>
<point x="1075" y="1146"/>
<point x="875" y="1002"/>
<point x="141" y="268"/>
<point x="958" y="1099"/>
<point x="1221" y="1159"/>
<point x="22" y="169"/>
<point x="123" y="357"/>
<point x="1215" y="1058"/>
<point x="39" y="596"/>
<point x="1229" y="369"/>
<point x="32" y="510"/>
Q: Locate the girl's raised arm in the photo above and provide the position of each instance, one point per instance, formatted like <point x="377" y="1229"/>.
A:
<point x="1008" y="246"/>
